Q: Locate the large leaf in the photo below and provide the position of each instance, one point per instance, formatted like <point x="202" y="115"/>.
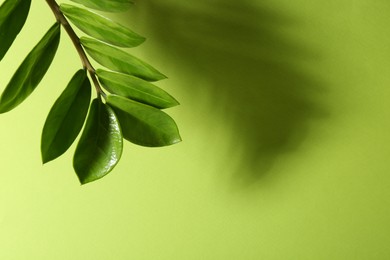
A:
<point x="31" y="71"/>
<point x="100" y="145"/>
<point x="106" y="5"/>
<point x="66" y="117"/>
<point x="13" y="15"/>
<point x="120" y="61"/>
<point x="101" y="28"/>
<point x="142" y="124"/>
<point x="135" y="88"/>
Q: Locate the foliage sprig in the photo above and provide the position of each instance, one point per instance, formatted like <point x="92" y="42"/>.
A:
<point x="128" y="105"/>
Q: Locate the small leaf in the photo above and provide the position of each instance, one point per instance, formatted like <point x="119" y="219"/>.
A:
<point x="142" y="124"/>
<point x="106" y="5"/>
<point x="13" y="15"/>
<point x="120" y="61"/>
<point x="136" y="89"/>
<point x="100" y="145"/>
<point x="66" y="117"/>
<point x="101" y="28"/>
<point x="31" y="71"/>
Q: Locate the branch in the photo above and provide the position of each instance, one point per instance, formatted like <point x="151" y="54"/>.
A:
<point x="76" y="42"/>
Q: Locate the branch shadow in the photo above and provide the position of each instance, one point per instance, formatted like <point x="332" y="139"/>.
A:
<point x="267" y="98"/>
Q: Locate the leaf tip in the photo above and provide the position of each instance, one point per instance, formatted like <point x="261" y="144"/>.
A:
<point x="46" y="158"/>
<point x="44" y="161"/>
<point x="178" y="139"/>
<point x="4" y="106"/>
<point x="174" y="103"/>
<point x="171" y="103"/>
<point x="83" y="182"/>
<point x="84" y="179"/>
<point x="157" y="75"/>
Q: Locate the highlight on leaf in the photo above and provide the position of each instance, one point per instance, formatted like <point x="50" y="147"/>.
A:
<point x="66" y="117"/>
<point x="106" y="6"/>
<point x="119" y="60"/>
<point x="135" y="88"/>
<point x="13" y="15"/>
<point x="100" y="145"/>
<point x="101" y="27"/>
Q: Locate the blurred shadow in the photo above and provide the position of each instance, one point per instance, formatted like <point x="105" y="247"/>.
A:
<point x="240" y="47"/>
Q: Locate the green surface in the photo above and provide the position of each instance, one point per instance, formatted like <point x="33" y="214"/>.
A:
<point x="66" y="117"/>
<point x="31" y="70"/>
<point x="100" y="27"/>
<point x="101" y="144"/>
<point x="13" y="15"/>
<point x="285" y="123"/>
<point x="120" y="61"/>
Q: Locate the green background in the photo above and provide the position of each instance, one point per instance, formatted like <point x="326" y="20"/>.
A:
<point x="285" y="119"/>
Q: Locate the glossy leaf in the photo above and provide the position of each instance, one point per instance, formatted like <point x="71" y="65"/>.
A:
<point x="13" y="15"/>
<point x="106" y="5"/>
<point x="101" y="28"/>
<point x="100" y="145"/>
<point x="142" y="124"/>
<point x="120" y="61"/>
<point x="66" y="117"/>
<point x="135" y="88"/>
<point x="31" y="71"/>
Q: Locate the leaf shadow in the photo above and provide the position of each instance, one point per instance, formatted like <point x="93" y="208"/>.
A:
<point x="256" y="67"/>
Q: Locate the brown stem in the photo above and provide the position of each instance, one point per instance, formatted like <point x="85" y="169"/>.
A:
<point x="76" y="42"/>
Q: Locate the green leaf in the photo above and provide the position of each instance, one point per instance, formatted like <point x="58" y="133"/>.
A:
<point x="101" y="28"/>
<point x="31" y="71"/>
<point x="100" y="145"/>
<point x="142" y="124"/>
<point x="106" y="5"/>
<point x="66" y="117"/>
<point x="135" y="88"/>
<point x="120" y="61"/>
<point x="13" y="15"/>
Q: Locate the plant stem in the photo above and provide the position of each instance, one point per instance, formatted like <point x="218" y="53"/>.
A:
<point x="76" y="42"/>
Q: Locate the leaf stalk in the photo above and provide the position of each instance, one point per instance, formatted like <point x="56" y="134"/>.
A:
<point x="77" y="44"/>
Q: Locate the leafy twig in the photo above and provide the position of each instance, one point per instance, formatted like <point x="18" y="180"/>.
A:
<point x="131" y="110"/>
<point x="76" y="42"/>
